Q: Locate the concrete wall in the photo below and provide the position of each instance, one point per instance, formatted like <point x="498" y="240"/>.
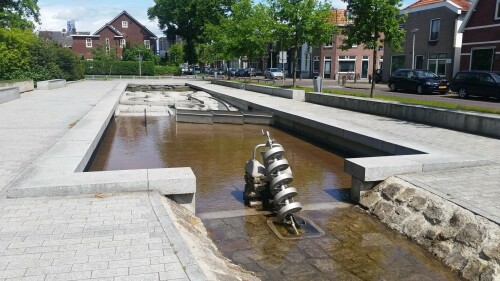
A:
<point x="51" y="84"/>
<point x="8" y="93"/>
<point x="24" y="86"/>
<point x="273" y="91"/>
<point x="469" y="122"/>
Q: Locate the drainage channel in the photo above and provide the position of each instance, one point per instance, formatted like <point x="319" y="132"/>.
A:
<point x="346" y="244"/>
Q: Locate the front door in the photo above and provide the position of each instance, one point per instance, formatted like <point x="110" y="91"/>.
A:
<point x="328" y="69"/>
<point x="364" y="69"/>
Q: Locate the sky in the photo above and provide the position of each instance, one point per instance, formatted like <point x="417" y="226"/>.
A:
<point x="90" y="15"/>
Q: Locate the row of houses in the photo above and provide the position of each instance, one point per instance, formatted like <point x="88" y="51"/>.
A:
<point x="444" y="36"/>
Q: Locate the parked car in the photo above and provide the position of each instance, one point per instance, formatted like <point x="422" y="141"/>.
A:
<point x="476" y="83"/>
<point x="251" y="72"/>
<point x="241" y="72"/>
<point x="273" y="73"/>
<point x="421" y="81"/>
<point x="231" y="72"/>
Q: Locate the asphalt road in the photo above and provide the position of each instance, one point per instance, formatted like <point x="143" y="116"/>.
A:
<point x="382" y="89"/>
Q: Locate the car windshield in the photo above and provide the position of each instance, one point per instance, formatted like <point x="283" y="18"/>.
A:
<point x="425" y="74"/>
<point x="496" y="76"/>
<point x="274" y="70"/>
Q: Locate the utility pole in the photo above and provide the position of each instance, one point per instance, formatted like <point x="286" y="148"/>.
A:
<point x="140" y="59"/>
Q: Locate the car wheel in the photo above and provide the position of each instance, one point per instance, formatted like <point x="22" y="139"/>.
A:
<point x="420" y="90"/>
<point x="462" y="92"/>
<point x="392" y="87"/>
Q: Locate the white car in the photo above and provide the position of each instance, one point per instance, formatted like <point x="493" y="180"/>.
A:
<point x="273" y="73"/>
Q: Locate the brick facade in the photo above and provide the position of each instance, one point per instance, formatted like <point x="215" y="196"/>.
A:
<point x="122" y="27"/>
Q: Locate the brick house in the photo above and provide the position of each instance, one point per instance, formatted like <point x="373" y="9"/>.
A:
<point x="121" y="30"/>
<point x="330" y="61"/>
<point x="432" y="28"/>
<point x="481" y="36"/>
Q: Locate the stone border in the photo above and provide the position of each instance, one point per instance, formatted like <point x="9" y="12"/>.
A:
<point x="51" y="84"/>
<point x="59" y="172"/>
<point x="463" y="121"/>
<point x="9" y="93"/>
<point x="24" y="86"/>
<point x="465" y="242"/>
<point x="273" y="91"/>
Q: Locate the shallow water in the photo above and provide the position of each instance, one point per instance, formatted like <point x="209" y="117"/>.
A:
<point x="356" y="246"/>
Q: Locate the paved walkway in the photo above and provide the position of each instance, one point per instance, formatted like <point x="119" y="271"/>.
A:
<point x="477" y="189"/>
<point x="121" y="237"/>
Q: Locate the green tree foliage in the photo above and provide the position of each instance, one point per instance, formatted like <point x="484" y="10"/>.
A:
<point x="132" y="54"/>
<point x="188" y="19"/>
<point x="17" y="13"/>
<point x="25" y="56"/>
<point x="176" y="54"/>
<point x="118" y="68"/>
<point x="245" y="32"/>
<point x="370" y="19"/>
<point x="301" y="21"/>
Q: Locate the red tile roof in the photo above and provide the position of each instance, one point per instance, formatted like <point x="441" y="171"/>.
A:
<point x="463" y="4"/>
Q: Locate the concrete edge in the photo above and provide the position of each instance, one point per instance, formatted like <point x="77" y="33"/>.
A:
<point x="298" y="95"/>
<point x="9" y="93"/>
<point x="51" y="84"/>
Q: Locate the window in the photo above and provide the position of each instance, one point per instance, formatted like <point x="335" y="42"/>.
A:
<point x="434" y="32"/>
<point x="316" y="64"/>
<point x="397" y="62"/>
<point x="497" y="10"/>
<point x="125" y="24"/>
<point x="437" y="63"/>
<point x="147" y="44"/>
<point x="419" y="62"/>
<point x="347" y="63"/>
<point x="122" y="43"/>
<point x="88" y="42"/>
<point x="107" y="42"/>
<point x="482" y="59"/>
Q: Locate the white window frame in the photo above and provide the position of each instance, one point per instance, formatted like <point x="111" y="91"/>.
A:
<point x="316" y="59"/>
<point x="122" y="43"/>
<point x="347" y="59"/>
<point x="147" y="44"/>
<point x="430" y="29"/>
<point x="497" y="10"/>
<point x="88" y="42"/>
<point x="124" y="24"/>
<point x="437" y="60"/>
<point x="107" y="42"/>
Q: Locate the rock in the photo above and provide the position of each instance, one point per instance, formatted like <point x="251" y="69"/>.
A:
<point x="417" y="203"/>
<point x="472" y="268"/>
<point x="390" y="192"/>
<point x="406" y="195"/>
<point x="382" y="209"/>
<point x="458" y="219"/>
<point x="490" y="273"/>
<point x="457" y="259"/>
<point x="414" y="227"/>
<point x="397" y="218"/>
<point x="369" y="199"/>
<point x="491" y="251"/>
<point x="442" y="249"/>
<point x="470" y="235"/>
<point x="434" y="213"/>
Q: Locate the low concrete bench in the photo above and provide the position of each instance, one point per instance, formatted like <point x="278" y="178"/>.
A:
<point x="9" y="93"/>
<point x="51" y="84"/>
<point x="274" y="91"/>
<point x="24" y="86"/>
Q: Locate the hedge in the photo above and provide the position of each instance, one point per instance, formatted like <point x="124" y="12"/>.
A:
<point x="167" y="70"/>
<point x="119" y="68"/>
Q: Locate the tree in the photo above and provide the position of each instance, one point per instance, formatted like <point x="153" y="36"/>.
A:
<point x="368" y="21"/>
<point x="132" y="54"/>
<point x="188" y="19"/>
<point x="302" y="21"/>
<point x="16" y="13"/>
<point x="176" y="54"/>
<point x="245" y="32"/>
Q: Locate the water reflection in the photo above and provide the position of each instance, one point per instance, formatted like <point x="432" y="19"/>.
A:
<point x="217" y="154"/>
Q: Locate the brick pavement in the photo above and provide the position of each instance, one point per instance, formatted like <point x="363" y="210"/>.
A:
<point x="117" y="237"/>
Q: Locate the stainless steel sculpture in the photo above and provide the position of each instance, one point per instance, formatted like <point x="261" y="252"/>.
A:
<point x="273" y="178"/>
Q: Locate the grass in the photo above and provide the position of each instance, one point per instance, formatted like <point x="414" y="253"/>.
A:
<point x="388" y="98"/>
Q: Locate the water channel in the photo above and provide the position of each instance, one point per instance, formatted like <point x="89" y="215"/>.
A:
<point x="356" y="246"/>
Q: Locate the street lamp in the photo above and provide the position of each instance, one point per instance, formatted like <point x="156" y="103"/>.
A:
<point x="140" y="59"/>
<point x="414" y="30"/>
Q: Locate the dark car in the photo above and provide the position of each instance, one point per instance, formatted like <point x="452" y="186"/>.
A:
<point x="241" y="72"/>
<point x="476" y="83"/>
<point x="251" y="72"/>
<point x="421" y="81"/>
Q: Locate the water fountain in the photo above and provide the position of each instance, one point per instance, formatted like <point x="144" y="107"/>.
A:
<point x="268" y="184"/>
